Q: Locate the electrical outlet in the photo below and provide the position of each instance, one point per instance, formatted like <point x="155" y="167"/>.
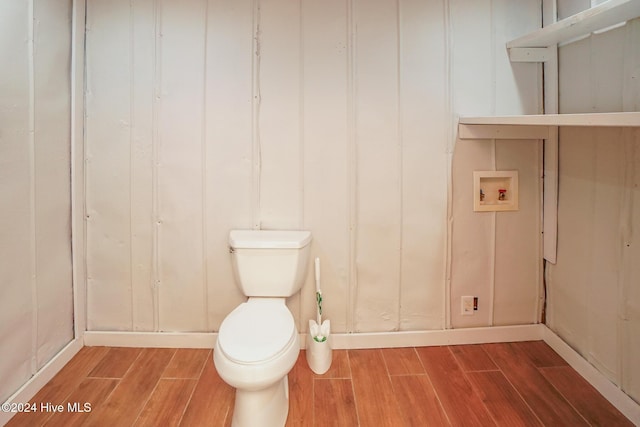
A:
<point x="467" y="305"/>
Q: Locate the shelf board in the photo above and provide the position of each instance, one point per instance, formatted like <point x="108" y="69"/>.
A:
<point x="585" y="119"/>
<point x="537" y="126"/>
<point x="605" y="15"/>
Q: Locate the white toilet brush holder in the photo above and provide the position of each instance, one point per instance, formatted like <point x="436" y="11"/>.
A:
<point x="318" y="345"/>
<point x="319" y="353"/>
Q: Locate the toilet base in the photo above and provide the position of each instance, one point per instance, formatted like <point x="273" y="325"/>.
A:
<point x="268" y="407"/>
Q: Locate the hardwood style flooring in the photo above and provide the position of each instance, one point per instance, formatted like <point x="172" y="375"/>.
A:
<point x="510" y="384"/>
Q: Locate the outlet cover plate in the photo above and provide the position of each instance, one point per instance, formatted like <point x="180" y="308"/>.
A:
<point x="467" y="305"/>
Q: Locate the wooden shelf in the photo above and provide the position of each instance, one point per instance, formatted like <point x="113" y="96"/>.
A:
<point x="605" y="15"/>
<point x="631" y="119"/>
<point x="537" y="126"/>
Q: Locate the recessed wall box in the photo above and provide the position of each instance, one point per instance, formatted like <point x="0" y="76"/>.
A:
<point x="495" y="191"/>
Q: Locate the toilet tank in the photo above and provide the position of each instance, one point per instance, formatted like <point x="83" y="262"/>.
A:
<point x="269" y="263"/>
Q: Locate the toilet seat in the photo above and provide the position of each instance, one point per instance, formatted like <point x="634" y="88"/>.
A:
<point x="257" y="331"/>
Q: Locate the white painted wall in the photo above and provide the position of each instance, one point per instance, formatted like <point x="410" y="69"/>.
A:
<point x="36" y="307"/>
<point x="335" y="116"/>
<point x="593" y="292"/>
<point x="495" y="256"/>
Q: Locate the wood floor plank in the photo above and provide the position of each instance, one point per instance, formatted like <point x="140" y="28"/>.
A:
<point x="545" y="401"/>
<point x="61" y="385"/>
<point x="92" y="391"/>
<point x="540" y="354"/>
<point x="187" y="363"/>
<point x="300" y="393"/>
<point x="116" y="362"/>
<point x="129" y="397"/>
<point x="418" y="401"/>
<point x="211" y="402"/>
<point x="503" y="402"/>
<point x="375" y="400"/>
<point x="333" y="403"/>
<point x="586" y="399"/>
<point x="167" y="403"/>
<point x="402" y="361"/>
<point x="473" y="358"/>
<point x="452" y="387"/>
<point x="339" y="365"/>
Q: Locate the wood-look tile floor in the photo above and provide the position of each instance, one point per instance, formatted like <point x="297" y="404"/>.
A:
<point x="508" y="384"/>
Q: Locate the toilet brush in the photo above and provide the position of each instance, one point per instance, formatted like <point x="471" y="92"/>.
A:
<point x="318" y="334"/>
<point x="318" y="329"/>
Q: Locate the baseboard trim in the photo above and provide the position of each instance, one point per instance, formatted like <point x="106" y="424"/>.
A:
<point x="150" y="339"/>
<point x="605" y="387"/>
<point x="338" y="341"/>
<point x="437" y="337"/>
<point x="43" y="376"/>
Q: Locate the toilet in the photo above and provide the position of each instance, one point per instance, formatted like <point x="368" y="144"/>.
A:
<point x="258" y="342"/>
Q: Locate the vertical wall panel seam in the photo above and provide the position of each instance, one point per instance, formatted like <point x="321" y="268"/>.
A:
<point x="592" y="77"/>
<point x="79" y="249"/>
<point x="494" y="234"/>
<point x="205" y="270"/>
<point x="84" y="174"/>
<point x="157" y="92"/>
<point x="451" y="138"/>
<point x="493" y="246"/>
<point x="550" y="93"/>
<point x="352" y="165"/>
<point x="32" y="185"/>
<point x="256" y="99"/>
<point x="301" y="124"/>
<point x="588" y="340"/>
<point x="492" y="38"/>
<point x="494" y="101"/>
<point x="131" y="144"/>
<point x="301" y="121"/>
<point x="400" y="154"/>
<point x="537" y="314"/>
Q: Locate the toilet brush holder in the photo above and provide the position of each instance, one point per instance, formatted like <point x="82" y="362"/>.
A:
<point x="319" y="347"/>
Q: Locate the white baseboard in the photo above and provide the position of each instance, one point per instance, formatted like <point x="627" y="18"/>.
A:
<point x="605" y="387"/>
<point x="43" y="376"/>
<point x="338" y="341"/>
<point x="150" y="339"/>
<point x="437" y="337"/>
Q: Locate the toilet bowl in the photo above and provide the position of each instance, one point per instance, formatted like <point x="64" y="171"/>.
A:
<point x="257" y="346"/>
<point x="258" y="342"/>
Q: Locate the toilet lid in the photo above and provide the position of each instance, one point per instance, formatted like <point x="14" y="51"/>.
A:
<point x="256" y="331"/>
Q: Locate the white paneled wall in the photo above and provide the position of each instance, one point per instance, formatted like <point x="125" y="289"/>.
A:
<point x="333" y="116"/>
<point x="424" y="130"/>
<point x="329" y="153"/>
<point x="36" y="307"/>
<point x="181" y="176"/>
<point x="495" y="255"/>
<point x="232" y="147"/>
<point x="593" y="292"/>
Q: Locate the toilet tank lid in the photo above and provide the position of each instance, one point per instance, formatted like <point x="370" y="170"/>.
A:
<point x="269" y="239"/>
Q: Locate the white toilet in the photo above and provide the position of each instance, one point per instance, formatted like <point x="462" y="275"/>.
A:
<point x="258" y="342"/>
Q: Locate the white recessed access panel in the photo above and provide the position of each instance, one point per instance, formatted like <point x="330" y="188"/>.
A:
<point x="495" y="191"/>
